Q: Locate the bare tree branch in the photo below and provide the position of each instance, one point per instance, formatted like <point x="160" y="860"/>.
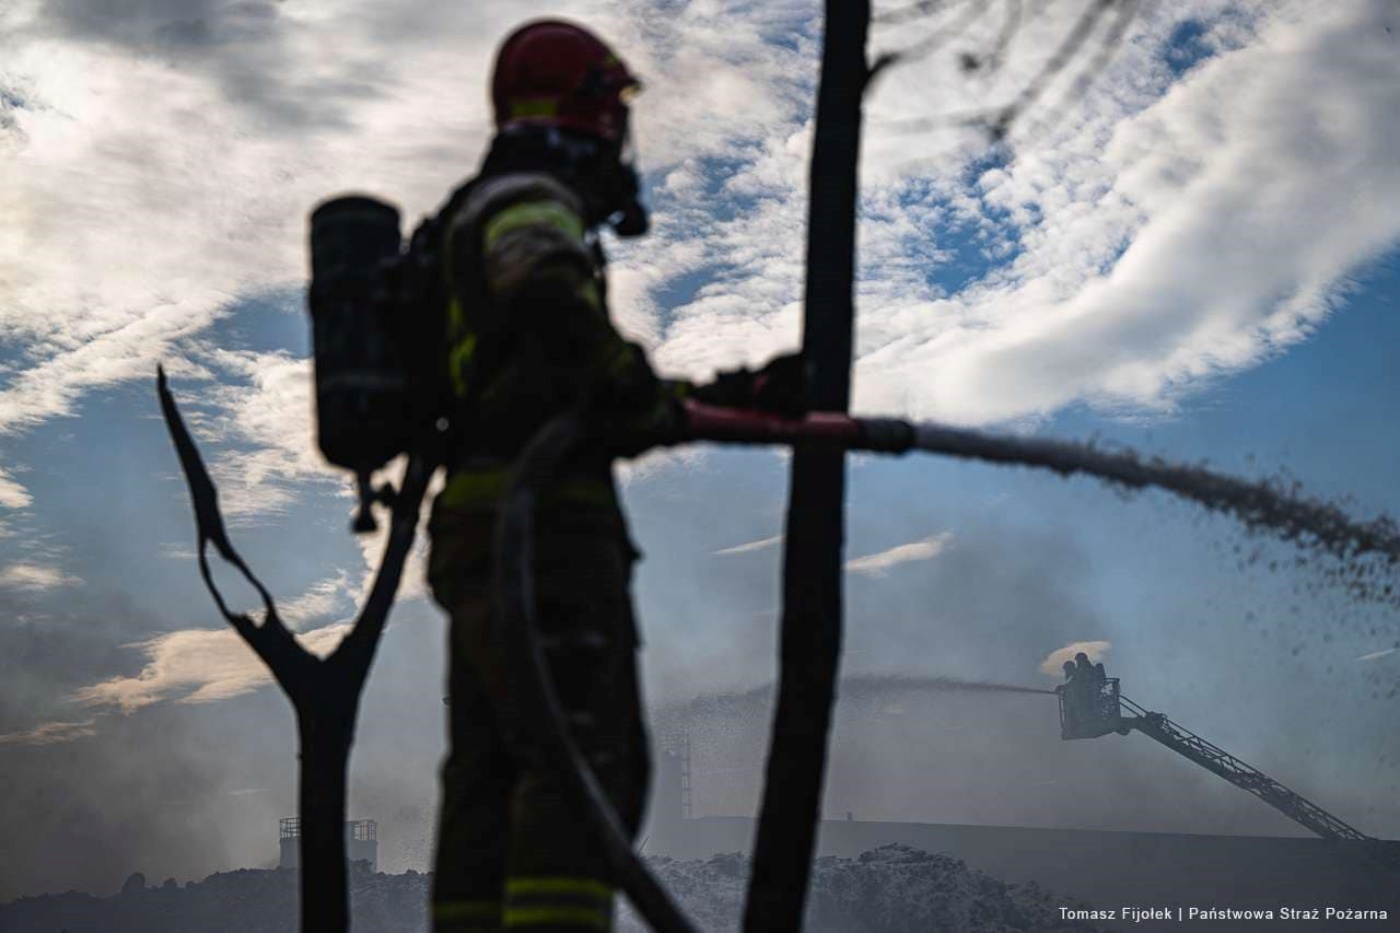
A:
<point x="1015" y="9"/>
<point x="1127" y="11"/>
<point x="913" y="11"/>
<point x="996" y="122"/>
<point x="930" y="44"/>
<point x="1057" y="63"/>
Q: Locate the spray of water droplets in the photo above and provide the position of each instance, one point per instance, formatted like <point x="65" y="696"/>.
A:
<point x="1366" y="554"/>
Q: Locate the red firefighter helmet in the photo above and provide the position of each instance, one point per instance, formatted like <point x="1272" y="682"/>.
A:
<point x="554" y="73"/>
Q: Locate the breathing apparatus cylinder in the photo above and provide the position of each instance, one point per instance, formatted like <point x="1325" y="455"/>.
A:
<point x="364" y="402"/>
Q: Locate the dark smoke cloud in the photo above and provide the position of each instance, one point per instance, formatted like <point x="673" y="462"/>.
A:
<point x="173" y="27"/>
<point x="905" y="753"/>
<point x="1007" y="591"/>
<point x="178" y="790"/>
<point x="152" y="792"/>
<point x="54" y="643"/>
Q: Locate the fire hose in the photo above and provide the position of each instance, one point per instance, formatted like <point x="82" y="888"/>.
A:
<point x="536" y="701"/>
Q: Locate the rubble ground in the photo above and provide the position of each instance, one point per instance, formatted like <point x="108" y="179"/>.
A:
<point x="892" y="889"/>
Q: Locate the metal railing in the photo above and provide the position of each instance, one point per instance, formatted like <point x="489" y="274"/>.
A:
<point x="289" y="827"/>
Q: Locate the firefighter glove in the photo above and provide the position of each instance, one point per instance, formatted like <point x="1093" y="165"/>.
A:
<point x="779" y="387"/>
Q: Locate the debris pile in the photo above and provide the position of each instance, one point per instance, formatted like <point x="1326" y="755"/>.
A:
<point x="243" y="901"/>
<point x="893" y="889"/>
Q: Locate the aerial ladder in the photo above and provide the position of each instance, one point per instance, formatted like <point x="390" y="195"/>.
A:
<point x="1091" y="705"/>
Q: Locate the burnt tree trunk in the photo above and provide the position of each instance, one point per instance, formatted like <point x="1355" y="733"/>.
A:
<point x="321" y="802"/>
<point x="812" y="593"/>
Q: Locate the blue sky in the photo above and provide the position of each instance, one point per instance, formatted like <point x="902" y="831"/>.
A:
<point x="1197" y="260"/>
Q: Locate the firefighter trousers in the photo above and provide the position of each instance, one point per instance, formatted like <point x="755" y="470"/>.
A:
<point x="513" y="850"/>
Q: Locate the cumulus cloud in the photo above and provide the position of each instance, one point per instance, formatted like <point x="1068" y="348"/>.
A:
<point x="752" y="546"/>
<point x="197" y="666"/>
<point x="1146" y="246"/>
<point x="264" y="410"/>
<point x="12" y="494"/>
<point x="38" y="577"/>
<point x="1161" y="242"/>
<point x="236" y="118"/>
<point x="51" y="733"/>
<point x="1142" y="244"/>
<point x="323" y="598"/>
<point x="219" y="125"/>
<point x="1055" y="661"/>
<point x="877" y="565"/>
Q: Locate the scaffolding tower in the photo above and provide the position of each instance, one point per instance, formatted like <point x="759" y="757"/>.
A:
<point x="361" y="842"/>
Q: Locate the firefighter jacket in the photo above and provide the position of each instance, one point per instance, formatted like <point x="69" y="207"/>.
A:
<point x="529" y="337"/>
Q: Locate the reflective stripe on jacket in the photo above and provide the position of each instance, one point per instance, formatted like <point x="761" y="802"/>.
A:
<point x="558" y="902"/>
